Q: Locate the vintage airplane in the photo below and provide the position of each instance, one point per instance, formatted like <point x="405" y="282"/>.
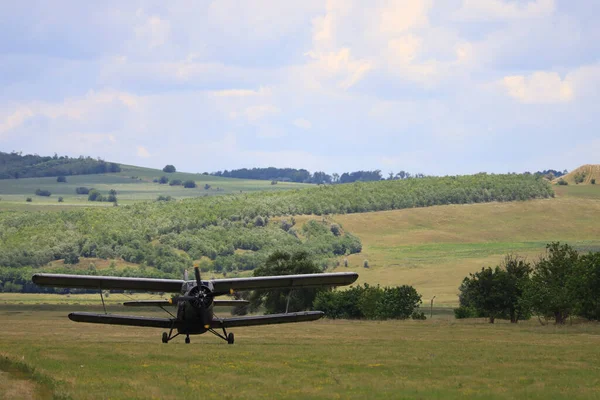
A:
<point x="195" y="304"/>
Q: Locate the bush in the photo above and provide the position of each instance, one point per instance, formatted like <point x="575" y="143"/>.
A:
<point x="60" y="200"/>
<point x="82" y="190"/>
<point x="189" y="184"/>
<point x="175" y="182"/>
<point x="593" y="181"/>
<point x="366" y="264"/>
<point x="163" y="180"/>
<point x="206" y="186"/>
<point x="42" y="192"/>
<point x="95" y="196"/>
<point x="61" y="179"/>
<point x="164" y="198"/>
<point x="465" y="312"/>
<point x="169" y="169"/>
<point x="28" y="200"/>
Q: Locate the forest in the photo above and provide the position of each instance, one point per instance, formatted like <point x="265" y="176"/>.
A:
<point x="15" y="165"/>
<point x="232" y="232"/>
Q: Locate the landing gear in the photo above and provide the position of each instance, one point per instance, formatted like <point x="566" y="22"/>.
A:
<point x="226" y="337"/>
<point x="165" y="337"/>
<point x="187" y="339"/>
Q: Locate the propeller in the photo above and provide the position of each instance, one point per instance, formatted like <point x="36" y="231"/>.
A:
<point x="200" y="296"/>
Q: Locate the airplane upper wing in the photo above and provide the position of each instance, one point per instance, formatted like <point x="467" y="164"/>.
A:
<point x="222" y="286"/>
<point x="108" y="282"/>
<point x="254" y="320"/>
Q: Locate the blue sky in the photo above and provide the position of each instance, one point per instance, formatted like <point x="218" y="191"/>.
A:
<point x="437" y="87"/>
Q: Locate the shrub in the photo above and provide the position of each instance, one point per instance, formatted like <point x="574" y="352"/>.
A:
<point x="60" y="199"/>
<point x="95" y="196"/>
<point x="206" y="186"/>
<point x="42" y="192"/>
<point x="61" y="179"/>
<point x="164" y="198"/>
<point x="562" y="182"/>
<point x="335" y="229"/>
<point x="189" y="184"/>
<point x="82" y="190"/>
<point x="366" y="264"/>
<point x="593" y="181"/>
<point x="175" y="182"/>
<point x="163" y="180"/>
<point x="169" y="169"/>
<point x="28" y="200"/>
<point x="465" y="312"/>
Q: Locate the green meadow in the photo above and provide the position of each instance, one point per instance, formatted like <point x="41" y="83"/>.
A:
<point x="132" y="184"/>
<point x="438" y="358"/>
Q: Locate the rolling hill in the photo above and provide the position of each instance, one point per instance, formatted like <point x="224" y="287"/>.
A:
<point x="582" y="175"/>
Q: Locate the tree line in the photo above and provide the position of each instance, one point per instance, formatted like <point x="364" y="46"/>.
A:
<point x="561" y="284"/>
<point x="14" y="165"/>
<point x="304" y="176"/>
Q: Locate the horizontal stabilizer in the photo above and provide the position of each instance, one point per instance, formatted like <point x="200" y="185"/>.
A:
<point x="254" y="320"/>
<point x="114" y="319"/>
<point x="107" y="282"/>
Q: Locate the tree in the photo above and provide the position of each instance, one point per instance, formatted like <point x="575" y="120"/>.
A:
<point x="189" y="184"/>
<point x="42" y="192"/>
<point x="550" y="291"/>
<point x="163" y="180"/>
<point x="284" y="263"/>
<point x="585" y="284"/>
<point x="485" y="292"/>
<point x="517" y="279"/>
<point x="61" y="179"/>
<point x="169" y="169"/>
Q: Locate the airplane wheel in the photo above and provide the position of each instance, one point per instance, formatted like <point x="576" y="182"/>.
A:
<point x="230" y="338"/>
<point x="187" y="340"/>
<point x="165" y="337"/>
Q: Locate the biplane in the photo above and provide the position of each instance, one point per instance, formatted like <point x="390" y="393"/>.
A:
<point x="195" y="302"/>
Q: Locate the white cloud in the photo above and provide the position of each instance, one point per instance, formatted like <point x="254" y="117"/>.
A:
<point x="302" y="123"/>
<point x="152" y="29"/>
<point x="242" y="92"/>
<point x="502" y="9"/>
<point x="15" y="119"/>
<point x="539" y="88"/>
<point x="143" y="152"/>
<point x="398" y="16"/>
<point x="255" y="113"/>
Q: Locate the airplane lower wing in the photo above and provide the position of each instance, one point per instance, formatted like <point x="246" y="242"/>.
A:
<point x="108" y="282"/>
<point x="114" y="319"/>
<point x="254" y="320"/>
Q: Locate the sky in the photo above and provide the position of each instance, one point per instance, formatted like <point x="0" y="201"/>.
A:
<point x="426" y="86"/>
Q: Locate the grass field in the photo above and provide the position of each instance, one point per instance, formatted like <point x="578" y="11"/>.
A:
<point x="438" y="358"/>
<point x="13" y="193"/>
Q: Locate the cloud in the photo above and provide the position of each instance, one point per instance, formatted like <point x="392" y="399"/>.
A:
<point x="15" y="119"/>
<point x="143" y="152"/>
<point x="539" y="88"/>
<point x="398" y="16"/>
<point x="502" y="9"/>
<point x="242" y="92"/>
<point x="302" y="123"/>
<point x="255" y="113"/>
<point x="152" y="29"/>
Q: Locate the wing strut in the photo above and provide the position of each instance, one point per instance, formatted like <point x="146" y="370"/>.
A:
<point x="103" y="305"/>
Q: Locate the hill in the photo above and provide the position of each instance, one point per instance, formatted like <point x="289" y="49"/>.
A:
<point x="232" y="233"/>
<point x="582" y="175"/>
<point x="15" y="166"/>
<point x="132" y="183"/>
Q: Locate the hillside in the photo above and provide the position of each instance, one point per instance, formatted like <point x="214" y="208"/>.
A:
<point x="16" y="166"/>
<point x="582" y="175"/>
<point x="233" y="233"/>
<point x="133" y="184"/>
<point x="434" y="248"/>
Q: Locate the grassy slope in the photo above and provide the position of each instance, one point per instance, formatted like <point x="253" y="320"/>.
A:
<point x="434" y="248"/>
<point x="14" y="192"/>
<point x="591" y="171"/>
<point x="325" y="359"/>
